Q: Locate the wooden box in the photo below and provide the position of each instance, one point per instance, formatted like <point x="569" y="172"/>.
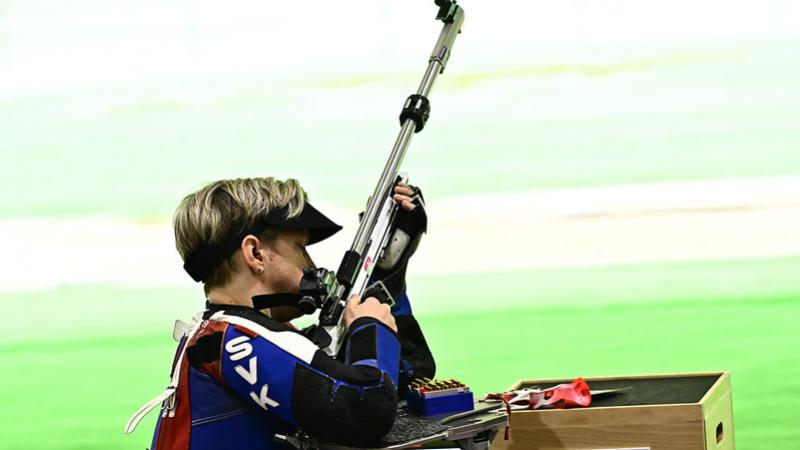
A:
<point x="658" y="412"/>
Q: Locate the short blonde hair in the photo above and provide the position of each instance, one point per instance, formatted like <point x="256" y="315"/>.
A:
<point x="205" y="217"/>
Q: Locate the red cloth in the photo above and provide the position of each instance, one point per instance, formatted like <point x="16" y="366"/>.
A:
<point x="562" y="396"/>
<point x="565" y="395"/>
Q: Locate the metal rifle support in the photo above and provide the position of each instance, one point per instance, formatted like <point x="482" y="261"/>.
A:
<point x="413" y="118"/>
<point x="355" y="266"/>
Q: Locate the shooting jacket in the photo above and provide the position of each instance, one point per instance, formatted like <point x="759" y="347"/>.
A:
<point x="243" y="377"/>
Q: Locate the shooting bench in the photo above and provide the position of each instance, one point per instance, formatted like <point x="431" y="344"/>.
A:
<point x="657" y="412"/>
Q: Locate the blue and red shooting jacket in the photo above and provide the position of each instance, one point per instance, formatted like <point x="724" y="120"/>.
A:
<point x="244" y="377"/>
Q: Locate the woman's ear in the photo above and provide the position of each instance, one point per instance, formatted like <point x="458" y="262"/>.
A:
<point x="253" y="254"/>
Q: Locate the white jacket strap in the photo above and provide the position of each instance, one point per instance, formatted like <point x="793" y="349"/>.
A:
<point x="169" y="394"/>
<point x="146" y="408"/>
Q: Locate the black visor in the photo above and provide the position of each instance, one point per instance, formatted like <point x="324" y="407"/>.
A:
<point x="204" y="259"/>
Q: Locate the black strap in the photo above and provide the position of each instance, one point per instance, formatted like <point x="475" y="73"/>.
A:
<point x="274" y="300"/>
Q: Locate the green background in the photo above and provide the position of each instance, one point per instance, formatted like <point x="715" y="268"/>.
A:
<point x="79" y="359"/>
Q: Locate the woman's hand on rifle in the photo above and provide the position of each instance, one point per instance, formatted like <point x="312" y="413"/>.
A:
<point x="404" y="196"/>
<point x="369" y="308"/>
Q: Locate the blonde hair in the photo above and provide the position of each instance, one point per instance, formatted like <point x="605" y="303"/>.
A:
<point x="205" y="217"/>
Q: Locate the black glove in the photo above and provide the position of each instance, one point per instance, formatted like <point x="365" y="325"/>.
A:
<point x="408" y="228"/>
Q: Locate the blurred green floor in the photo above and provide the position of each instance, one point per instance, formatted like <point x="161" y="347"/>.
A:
<point x="73" y="389"/>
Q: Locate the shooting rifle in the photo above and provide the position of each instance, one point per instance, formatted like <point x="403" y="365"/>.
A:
<point x="328" y="291"/>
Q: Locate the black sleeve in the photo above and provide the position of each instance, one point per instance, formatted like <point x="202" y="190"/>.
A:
<point x="363" y="388"/>
<point x="416" y="357"/>
<point x="352" y="401"/>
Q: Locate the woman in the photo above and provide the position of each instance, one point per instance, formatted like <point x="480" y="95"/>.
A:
<point x="242" y="375"/>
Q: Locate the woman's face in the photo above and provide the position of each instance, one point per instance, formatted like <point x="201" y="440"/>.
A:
<point x="284" y="269"/>
<point x="288" y="258"/>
